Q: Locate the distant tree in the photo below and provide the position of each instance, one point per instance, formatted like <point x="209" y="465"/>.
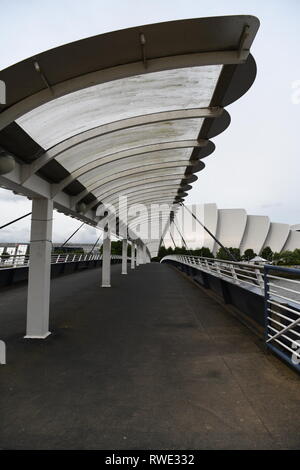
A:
<point x="289" y="258"/>
<point x="297" y="255"/>
<point x="249" y="254"/>
<point x="267" y="253"/>
<point x="180" y="250"/>
<point x="276" y="257"/>
<point x="162" y="253"/>
<point x="223" y="254"/>
<point x="5" y="256"/>
<point x="116" y="248"/>
<point x="206" y="253"/>
<point x="236" y="253"/>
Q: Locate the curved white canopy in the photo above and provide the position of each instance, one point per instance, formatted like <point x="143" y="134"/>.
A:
<point x="88" y="127"/>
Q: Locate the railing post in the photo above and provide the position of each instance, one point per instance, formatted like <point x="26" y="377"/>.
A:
<point x="218" y="268"/>
<point x="234" y="275"/>
<point x="39" y="269"/>
<point x="266" y="303"/>
<point x="260" y="279"/>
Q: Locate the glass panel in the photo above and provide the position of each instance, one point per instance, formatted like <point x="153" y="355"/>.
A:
<point x="76" y="112"/>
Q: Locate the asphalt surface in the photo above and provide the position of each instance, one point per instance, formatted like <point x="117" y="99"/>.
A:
<point x="150" y="363"/>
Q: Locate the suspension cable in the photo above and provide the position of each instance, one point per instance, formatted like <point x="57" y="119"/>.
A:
<point x="15" y="220"/>
<point x="72" y="235"/>
<point x="183" y="240"/>
<point x="172" y="239"/>
<point x="95" y="243"/>
<point x="209" y="232"/>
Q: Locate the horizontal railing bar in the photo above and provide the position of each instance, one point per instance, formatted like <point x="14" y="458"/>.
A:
<point x="280" y="315"/>
<point x="285" y="288"/>
<point x="269" y="267"/>
<point x="293" y="351"/>
<point x="277" y="335"/>
<point x="285" y="279"/>
<point x="283" y="297"/>
<point x="297" y="333"/>
<point x="283" y="306"/>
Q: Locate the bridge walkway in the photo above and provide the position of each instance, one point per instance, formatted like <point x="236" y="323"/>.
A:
<point x="150" y="363"/>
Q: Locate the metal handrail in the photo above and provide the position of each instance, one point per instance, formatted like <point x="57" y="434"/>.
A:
<point x="17" y="261"/>
<point x="282" y="314"/>
<point x="240" y="273"/>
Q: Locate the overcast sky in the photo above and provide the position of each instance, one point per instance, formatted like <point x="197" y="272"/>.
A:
<point x="256" y="163"/>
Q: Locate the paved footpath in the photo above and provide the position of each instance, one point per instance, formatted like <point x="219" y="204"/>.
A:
<point x="151" y="363"/>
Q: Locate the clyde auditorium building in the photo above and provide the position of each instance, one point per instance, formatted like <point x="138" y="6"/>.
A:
<point x="235" y="228"/>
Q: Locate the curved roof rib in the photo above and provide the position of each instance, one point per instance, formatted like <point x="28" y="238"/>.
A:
<point x="103" y="117"/>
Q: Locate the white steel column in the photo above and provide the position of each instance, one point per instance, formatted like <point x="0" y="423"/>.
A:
<point x="137" y="255"/>
<point x="124" y="256"/>
<point x="39" y="269"/>
<point x="144" y="254"/>
<point x="132" y="255"/>
<point x="106" y="255"/>
<point x="141" y="258"/>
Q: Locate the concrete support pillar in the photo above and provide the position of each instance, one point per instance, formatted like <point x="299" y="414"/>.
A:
<point x="38" y="299"/>
<point x="132" y="255"/>
<point x="106" y="255"/>
<point x="137" y="255"/>
<point x="124" y="256"/>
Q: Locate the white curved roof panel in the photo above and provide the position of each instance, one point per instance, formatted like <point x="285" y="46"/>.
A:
<point x="82" y="110"/>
